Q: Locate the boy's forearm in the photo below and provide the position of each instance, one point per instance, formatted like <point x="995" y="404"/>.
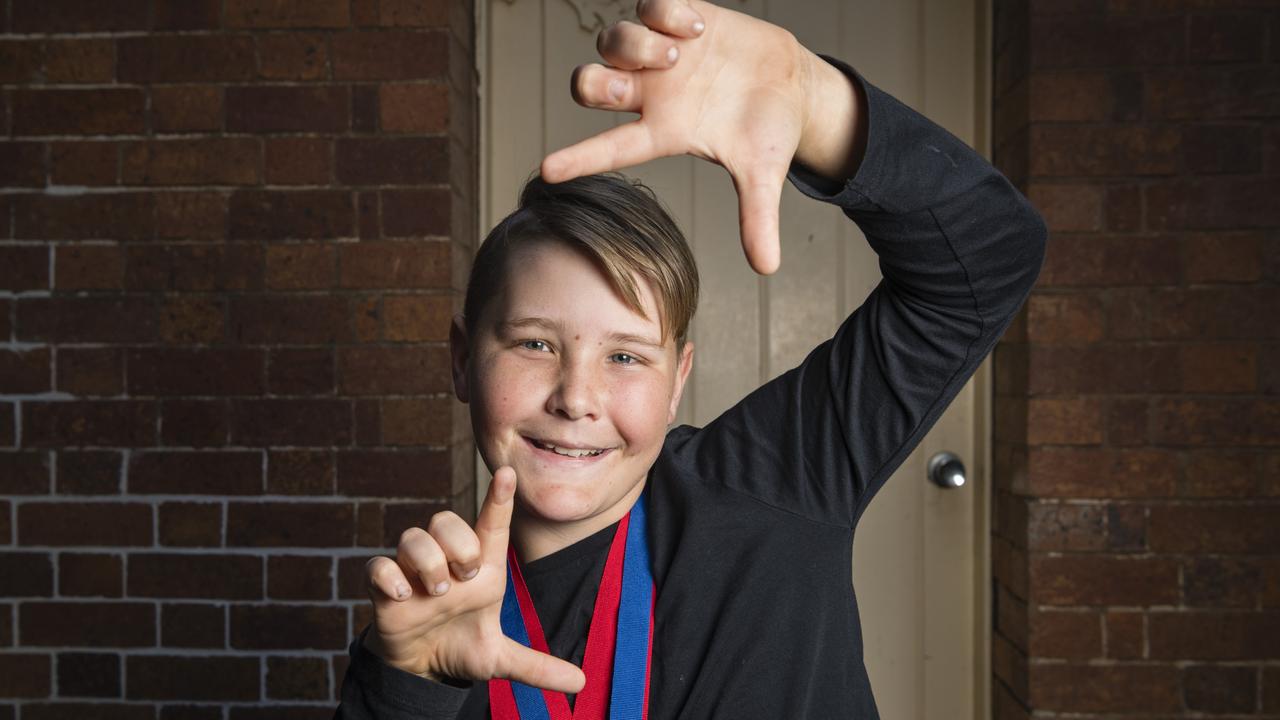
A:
<point x="834" y="139"/>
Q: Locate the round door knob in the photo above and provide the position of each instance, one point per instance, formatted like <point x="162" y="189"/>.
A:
<point x="946" y="470"/>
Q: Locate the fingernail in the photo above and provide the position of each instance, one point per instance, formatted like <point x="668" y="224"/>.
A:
<point x="617" y="88"/>
<point x="699" y="26"/>
<point x="402" y="591"/>
<point x="470" y="573"/>
<point x="672" y="54"/>
<point x="441" y="588"/>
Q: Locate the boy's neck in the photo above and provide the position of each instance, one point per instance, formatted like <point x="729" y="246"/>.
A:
<point x="536" y="538"/>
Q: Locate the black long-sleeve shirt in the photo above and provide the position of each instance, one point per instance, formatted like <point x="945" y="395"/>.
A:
<point x="751" y="518"/>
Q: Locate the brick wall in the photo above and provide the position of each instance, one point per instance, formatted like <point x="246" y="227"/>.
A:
<point x="1136" y="543"/>
<point x="231" y="235"/>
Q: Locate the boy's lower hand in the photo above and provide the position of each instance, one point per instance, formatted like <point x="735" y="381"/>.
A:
<point x="741" y="93"/>
<point x="437" y="605"/>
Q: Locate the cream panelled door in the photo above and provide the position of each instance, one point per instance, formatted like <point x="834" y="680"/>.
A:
<point x="920" y="554"/>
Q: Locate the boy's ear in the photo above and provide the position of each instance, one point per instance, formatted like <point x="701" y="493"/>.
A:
<point x="684" y="364"/>
<point x="460" y="351"/>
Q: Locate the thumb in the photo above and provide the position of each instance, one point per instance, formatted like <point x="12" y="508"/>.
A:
<point x="538" y="669"/>
<point x="759" y="197"/>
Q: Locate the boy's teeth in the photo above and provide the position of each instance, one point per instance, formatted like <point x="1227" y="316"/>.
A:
<point x="569" y="452"/>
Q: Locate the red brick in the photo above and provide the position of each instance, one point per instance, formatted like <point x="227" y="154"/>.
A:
<point x="193" y="321"/>
<point x="299" y="161"/>
<point x="190" y="524"/>
<point x="299" y="577"/>
<point x="352" y="584"/>
<point x="65" y="523"/>
<point x="369" y="532"/>
<point x="106" y="111"/>
<point x="25" y="574"/>
<point x="103" y="422"/>
<point x="408" y="473"/>
<point x="89" y="472"/>
<point x="1199" y="93"/>
<point x="297" y="678"/>
<point x="25" y="372"/>
<point x="180" y="575"/>
<point x="191" y="216"/>
<point x="368" y="319"/>
<point x="98" y="710"/>
<point x="1065" y="635"/>
<point x="197" y="473"/>
<point x="1220" y="689"/>
<point x="1110" y="260"/>
<point x="413" y="13"/>
<point x="87" y="624"/>
<point x="1065" y="42"/>
<point x="414" y="108"/>
<point x="1101" y="473"/>
<point x="1125" y="633"/>
<point x="185" y="678"/>
<point x="89" y="267"/>
<point x="309" y="266"/>
<point x="1102" y="369"/>
<point x="24" y="267"/>
<point x="364" y="108"/>
<point x="394" y="265"/>
<point x="1221" y="313"/>
<point x="415" y="212"/>
<point x="287" y="108"/>
<point x="1105" y="688"/>
<point x="59" y="16"/>
<point x="1084" y="96"/>
<point x="288" y="13"/>
<point x="1124" y="208"/>
<point x="187" y="14"/>
<point x="185" y="58"/>
<point x="1215" y="422"/>
<point x="392" y="161"/>
<point x="194" y="423"/>
<point x="89" y="675"/>
<point x="307" y="319"/>
<point x="393" y="370"/>
<point x="1070" y="150"/>
<point x="90" y="575"/>
<point x="389" y="55"/>
<point x="207" y="161"/>
<point x="90" y="371"/>
<point x="288" y="627"/>
<point x="111" y="216"/>
<point x="1223" y="257"/>
<point x="84" y="163"/>
<point x="313" y="423"/>
<point x="1226" y="473"/>
<point x="1224" y="582"/>
<point x="22" y="164"/>
<point x="279" y="712"/>
<point x="236" y="266"/>
<point x="26" y="675"/>
<point x="1271" y="677"/>
<point x="186" y="108"/>
<point x="426" y="421"/>
<point x="1214" y="149"/>
<point x="1218" y="368"/>
<point x="299" y="472"/>
<point x="292" y="524"/>
<point x="79" y="61"/>
<point x="21" y="61"/>
<point x="296" y="214"/>
<point x="193" y="625"/>
<point x="1060" y="526"/>
<point x="301" y="371"/>
<point x="1214" y="529"/>
<point x="8" y="426"/>
<point x="1213" y="203"/>
<point x="1065" y="421"/>
<point x="1206" y="635"/>
<point x="1069" y="207"/>
<point x="293" y="56"/>
<point x="204" y="371"/>
<point x="1103" y="580"/>
<point x="417" y="318"/>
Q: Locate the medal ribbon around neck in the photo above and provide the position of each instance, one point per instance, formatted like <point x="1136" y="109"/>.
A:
<point x="619" y="642"/>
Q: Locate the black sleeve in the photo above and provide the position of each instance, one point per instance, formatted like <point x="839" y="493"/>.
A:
<point x="373" y="690"/>
<point x="959" y="250"/>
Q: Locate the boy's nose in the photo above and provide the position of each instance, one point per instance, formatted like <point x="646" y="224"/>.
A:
<point x="575" y="395"/>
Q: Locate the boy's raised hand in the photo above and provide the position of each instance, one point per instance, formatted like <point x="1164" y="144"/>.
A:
<point x="453" y="630"/>
<point x="737" y="94"/>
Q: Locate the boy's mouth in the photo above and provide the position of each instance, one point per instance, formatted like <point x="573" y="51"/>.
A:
<point x="572" y="452"/>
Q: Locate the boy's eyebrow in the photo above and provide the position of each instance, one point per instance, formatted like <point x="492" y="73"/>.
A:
<point x="553" y="326"/>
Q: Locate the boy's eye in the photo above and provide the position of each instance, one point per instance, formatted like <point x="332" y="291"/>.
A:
<point x="624" y="359"/>
<point x="536" y="345"/>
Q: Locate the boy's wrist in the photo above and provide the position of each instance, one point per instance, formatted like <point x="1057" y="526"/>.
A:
<point x="834" y="136"/>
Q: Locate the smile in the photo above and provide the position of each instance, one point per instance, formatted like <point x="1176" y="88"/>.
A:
<point x="565" y="451"/>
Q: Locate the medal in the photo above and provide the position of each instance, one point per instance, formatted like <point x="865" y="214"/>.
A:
<point x="619" y="641"/>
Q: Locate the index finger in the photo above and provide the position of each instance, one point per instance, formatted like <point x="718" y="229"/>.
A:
<point x="614" y="149"/>
<point x="493" y="524"/>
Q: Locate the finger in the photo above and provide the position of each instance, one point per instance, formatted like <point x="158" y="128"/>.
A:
<point x="540" y="670"/>
<point x="632" y="46"/>
<point x="759" y="197"/>
<point x="674" y="17"/>
<point x="458" y="541"/>
<point x="493" y="524"/>
<point x="386" y="580"/>
<point x="613" y="149"/>
<point x="597" y="86"/>
<point x="420" y="556"/>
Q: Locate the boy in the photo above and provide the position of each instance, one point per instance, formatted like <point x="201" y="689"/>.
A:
<point x="702" y="572"/>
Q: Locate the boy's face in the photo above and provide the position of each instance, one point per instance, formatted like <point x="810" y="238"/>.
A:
<point x="569" y="386"/>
